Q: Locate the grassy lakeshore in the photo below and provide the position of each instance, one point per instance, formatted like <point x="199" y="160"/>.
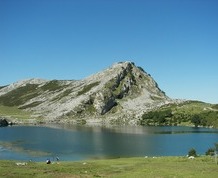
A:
<point x="160" y="167"/>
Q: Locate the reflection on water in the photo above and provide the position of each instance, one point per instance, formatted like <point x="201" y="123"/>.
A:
<point x="70" y="142"/>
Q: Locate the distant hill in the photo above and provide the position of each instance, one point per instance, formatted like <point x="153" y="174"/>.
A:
<point x="188" y="113"/>
<point x="121" y="94"/>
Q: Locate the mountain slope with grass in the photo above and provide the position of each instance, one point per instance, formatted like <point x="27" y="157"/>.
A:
<point x="121" y="94"/>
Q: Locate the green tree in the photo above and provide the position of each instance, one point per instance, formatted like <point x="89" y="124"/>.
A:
<point x="192" y="152"/>
<point x="210" y="152"/>
<point x="196" y="120"/>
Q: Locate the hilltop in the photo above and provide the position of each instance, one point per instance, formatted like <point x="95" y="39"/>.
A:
<point x="120" y="94"/>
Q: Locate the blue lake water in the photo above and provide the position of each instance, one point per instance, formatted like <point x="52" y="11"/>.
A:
<point x="38" y="143"/>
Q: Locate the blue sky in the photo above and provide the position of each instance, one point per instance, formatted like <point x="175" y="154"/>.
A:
<point x="176" y="41"/>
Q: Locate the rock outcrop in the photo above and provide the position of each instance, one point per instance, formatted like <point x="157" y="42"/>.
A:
<point x="3" y="122"/>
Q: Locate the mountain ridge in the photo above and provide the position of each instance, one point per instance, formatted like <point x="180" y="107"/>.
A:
<point x="118" y="94"/>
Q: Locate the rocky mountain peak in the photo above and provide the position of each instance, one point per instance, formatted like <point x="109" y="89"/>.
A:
<point x="120" y="93"/>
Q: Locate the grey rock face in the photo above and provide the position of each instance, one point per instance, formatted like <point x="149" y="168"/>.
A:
<point x="120" y="93"/>
<point x="104" y="102"/>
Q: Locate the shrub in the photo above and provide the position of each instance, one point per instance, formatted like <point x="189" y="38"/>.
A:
<point x="210" y="151"/>
<point x="192" y="152"/>
<point x="196" y="120"/>
<point x="157" y="117"/>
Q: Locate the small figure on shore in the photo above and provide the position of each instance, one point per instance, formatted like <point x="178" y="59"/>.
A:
<point x="48" y="161"/>
<point x="57" y="159"/>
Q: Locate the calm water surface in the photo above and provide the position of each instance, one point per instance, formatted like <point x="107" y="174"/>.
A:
<point x="80" y="142"/>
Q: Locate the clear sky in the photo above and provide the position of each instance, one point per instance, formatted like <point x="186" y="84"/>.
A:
<point x="176" y="41"/>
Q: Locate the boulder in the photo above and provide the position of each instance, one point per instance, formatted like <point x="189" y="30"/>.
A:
<point x="3" y="122"/>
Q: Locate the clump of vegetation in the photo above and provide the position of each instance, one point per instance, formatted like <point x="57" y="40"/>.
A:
<point x="162" y="117"/>
<point x="140" y="68"/>
<point x="62" y="95"/>
<point x="197" y="120"/>
<point x="87" y="88"/>
<point x="213" y="152"/>
<point x="3" y="87"/>
<point x="192" y="152"/>
<point x="210" y="152"/>
<point x="52" y="86"/>
<point x="33" y="104"/>
<point x="90" y="108"/>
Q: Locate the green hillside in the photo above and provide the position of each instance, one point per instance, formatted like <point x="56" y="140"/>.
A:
<point x="187" y="113"/>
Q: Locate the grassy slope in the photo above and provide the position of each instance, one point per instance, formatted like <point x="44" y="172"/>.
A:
<point x="182" y="113"/>
<point x="11" y="101"/>
<point x="204" y="110"/>
<point x="13" y="112"/>
<point x="125" y="167"/>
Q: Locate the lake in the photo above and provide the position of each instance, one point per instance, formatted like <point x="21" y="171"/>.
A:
<point x="73" y="142"/>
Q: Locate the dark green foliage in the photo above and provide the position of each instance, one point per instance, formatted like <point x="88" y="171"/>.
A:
<point x="66" y="93"/>
<point x="34" y="104"/>
<point x="210" y="152"/>
<point x="196" y="120"/>
<point x="209" y="118"/>
<point x="192" y="152"/>
<point x="22" y="94"/>
<point x="19" y="96"/>
<point x="140" y="68"/>
<point x="52" y="86"/>
<point x="62" y="95"/>
<point x="157" y="117"/>
<point x="187" y="113"/>
<point x="3" y="87"/>
<point x="111" y="84"/>
<point x="87" y="88"/>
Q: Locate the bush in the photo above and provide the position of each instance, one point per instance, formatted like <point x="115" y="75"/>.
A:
<point x="159" y="117"/>
<point x="192" y="152"/>
<point x="196" y="120"/>
<point x="210" y="152"/>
